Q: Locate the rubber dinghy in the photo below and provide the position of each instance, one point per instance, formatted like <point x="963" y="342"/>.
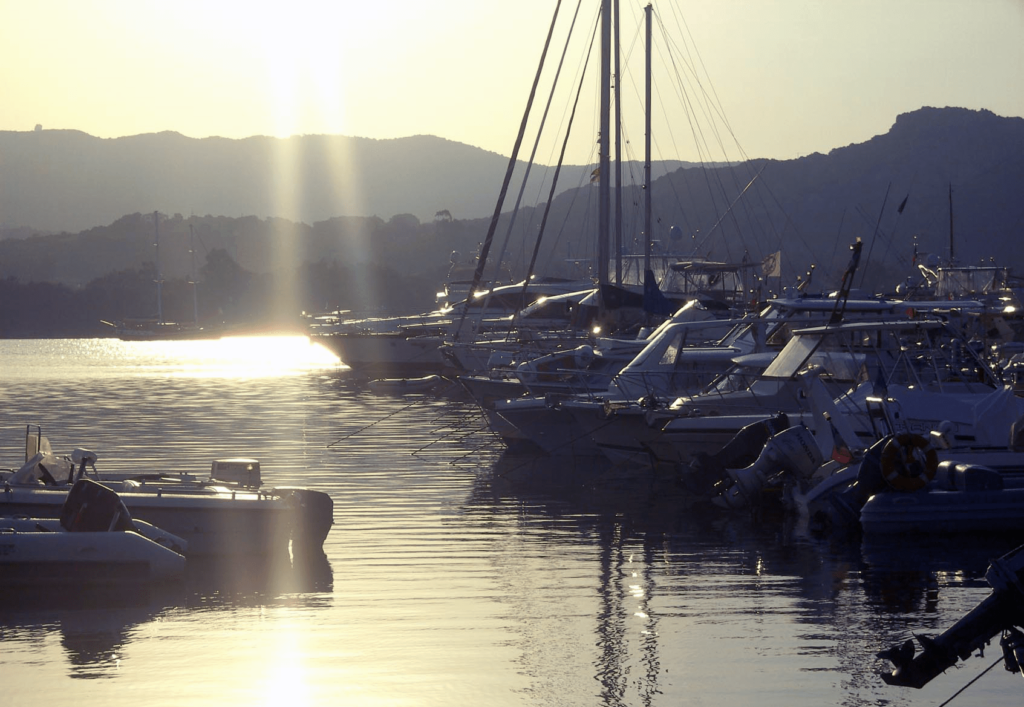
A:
<point x="95" y="541"/>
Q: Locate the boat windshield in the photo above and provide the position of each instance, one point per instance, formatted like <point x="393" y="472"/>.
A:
<point x="43" y="470"/>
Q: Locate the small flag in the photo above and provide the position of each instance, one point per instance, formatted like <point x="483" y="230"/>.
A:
<point x="902" y="204"/>
<point x="772" y="265"/>
<point x="595" y="176"/>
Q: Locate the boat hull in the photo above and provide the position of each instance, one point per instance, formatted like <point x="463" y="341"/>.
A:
<point x="39" y="551"/>
<point x="940" y="512"/>
<point x="211" y="523"/>
<point x="386" y="354"/>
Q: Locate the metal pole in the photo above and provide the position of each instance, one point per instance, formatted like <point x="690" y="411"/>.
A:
<point x="647" y="145"/>
<point x="603" y="170"/>
<point x="618" y="155"/>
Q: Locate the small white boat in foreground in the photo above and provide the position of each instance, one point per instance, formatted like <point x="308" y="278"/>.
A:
<point x="95" y="541"/>
<point x="228" y="513"/>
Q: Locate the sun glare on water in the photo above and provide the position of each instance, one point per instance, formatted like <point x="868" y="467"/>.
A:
<point x="240" y="357"/>
<point x="229" y="357"/>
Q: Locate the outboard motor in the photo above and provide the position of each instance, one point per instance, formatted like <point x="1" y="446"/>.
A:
<point x="93" y="508"/>
<point x="793" y="450"/>
<point x="842" y="510"/>
<point x="707" y="470"/>
<point x="1002" y="610"/>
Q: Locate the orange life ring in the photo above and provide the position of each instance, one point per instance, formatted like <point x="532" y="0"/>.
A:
<point x="908" y="462"/>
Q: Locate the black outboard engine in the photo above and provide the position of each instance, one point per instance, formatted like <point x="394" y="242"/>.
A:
<point x="1003" y="610"/>
<point x="706" y="470"/>
<point x="93" y="508"/>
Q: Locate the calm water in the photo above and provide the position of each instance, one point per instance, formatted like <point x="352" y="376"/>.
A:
<point x="453" y="575"/>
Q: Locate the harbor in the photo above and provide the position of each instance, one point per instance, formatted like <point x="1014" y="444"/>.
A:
<point x="454" y="573"/>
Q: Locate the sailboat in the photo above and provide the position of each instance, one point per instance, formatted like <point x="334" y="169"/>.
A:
<point x="157" y="328"/>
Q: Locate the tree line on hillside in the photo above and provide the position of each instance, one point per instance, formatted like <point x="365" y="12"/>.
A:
<point x="225" y="294"/>
<point x="258" y="245"/>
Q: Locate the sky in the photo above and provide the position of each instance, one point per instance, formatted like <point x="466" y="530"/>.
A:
<point x="786" y="78"/>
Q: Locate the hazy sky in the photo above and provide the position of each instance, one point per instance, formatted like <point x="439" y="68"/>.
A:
<point x="791" y="77"/>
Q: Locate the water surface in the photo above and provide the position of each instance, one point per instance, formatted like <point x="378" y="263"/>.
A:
<point x="454" y="575"/>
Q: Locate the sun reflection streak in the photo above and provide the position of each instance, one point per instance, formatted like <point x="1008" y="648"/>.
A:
<point x="288" y="682"/>
<point x="247" y="356"/>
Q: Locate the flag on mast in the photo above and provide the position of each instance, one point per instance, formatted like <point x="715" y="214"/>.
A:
<point x="772" y="265"/>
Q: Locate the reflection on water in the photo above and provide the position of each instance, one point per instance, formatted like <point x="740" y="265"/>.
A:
<point x="230" y="357"/>
<point x="454" y="574"/>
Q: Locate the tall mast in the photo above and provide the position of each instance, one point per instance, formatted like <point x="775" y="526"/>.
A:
<point x="603" y="145"/>
<point x="647" y="144"/>
<point x="618" y="155"/>
<point x="159" y="277"/>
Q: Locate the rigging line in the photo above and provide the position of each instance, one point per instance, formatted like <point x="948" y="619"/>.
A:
<point x="976" y="678"/>
<point x="728" y="210"/>
<point x="839" y="233"/>
<point x="892" y="235"/>
<point x="375" y="422"/>
<point x="900" y="259"/>
<point x="533" y="153"/>
<point x="789" y="221"/>
<point x="554" y="183"/>
<point x="714" y="103"/>
<point x="698" y="136"/>
<point x="450" y="433"/>
<point x="705" y="104"/>
<point x="874" y="236"/>
<point x="485" y="248"/>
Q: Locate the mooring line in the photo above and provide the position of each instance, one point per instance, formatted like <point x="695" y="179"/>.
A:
<point x="375" y="422"/>
<point x="976" y="678"/>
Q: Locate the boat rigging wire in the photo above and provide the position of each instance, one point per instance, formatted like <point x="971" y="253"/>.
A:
<point x="485" y="248"/>
<point x="375" y="422"/>
<point x="729" y="210"/>
<point x="551" y="195"/>
<point x="874" y="235"/>
<point x="976" y="678"/>
<point x="533" y="155"/>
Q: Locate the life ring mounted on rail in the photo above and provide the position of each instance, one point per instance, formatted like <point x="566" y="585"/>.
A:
<point x="909" y="462"/>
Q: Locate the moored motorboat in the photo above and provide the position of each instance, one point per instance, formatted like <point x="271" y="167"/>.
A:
<point x="230" y="512"/>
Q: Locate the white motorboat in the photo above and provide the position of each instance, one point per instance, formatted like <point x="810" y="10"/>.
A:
<point x="409" y="345"/>
<point x="929" y="373"/>
<point x="621" y="420"/>
<point x="227" y="513"/>
<point x="94" y="541"/>
<point x="903" y="484"/>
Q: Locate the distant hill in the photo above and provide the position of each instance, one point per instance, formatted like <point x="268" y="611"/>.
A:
<point x="893" y="191"/>
<point x="65" y="180"/>
<point x="814" y="207"/>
